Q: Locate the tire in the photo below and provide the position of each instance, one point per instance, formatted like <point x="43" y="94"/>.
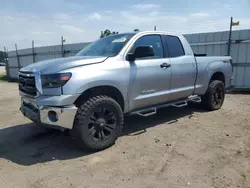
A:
<point x="98" y="123"/>
<point x="214" y="96"/>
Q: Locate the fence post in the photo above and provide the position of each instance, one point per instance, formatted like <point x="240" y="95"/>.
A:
<point x="17" y="57"/>
<point x="33" y="51"/>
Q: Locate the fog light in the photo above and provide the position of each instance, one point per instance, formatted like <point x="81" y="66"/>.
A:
<point x="52" y="115"/>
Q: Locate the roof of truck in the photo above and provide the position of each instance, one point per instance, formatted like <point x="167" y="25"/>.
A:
<point x="153" y="32"/>
<point x="159" y="32"/>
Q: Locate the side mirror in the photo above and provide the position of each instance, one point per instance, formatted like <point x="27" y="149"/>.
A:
<point x="130" y="57"/>
<point x="140" y="52"/>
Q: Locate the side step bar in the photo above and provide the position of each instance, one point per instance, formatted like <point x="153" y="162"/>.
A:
<point x="153" y="110"/>
<point x="148" y="112"/>
<point x="181" y="104"/>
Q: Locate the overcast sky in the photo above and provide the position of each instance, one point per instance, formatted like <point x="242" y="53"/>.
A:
<point x="45" y="21"/>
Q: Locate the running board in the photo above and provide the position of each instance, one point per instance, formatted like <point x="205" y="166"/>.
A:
<point x="153" y="110"/>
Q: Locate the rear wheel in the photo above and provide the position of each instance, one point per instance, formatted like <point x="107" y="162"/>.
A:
<point x="98" y="123"/>
<point x="214" y="97"/>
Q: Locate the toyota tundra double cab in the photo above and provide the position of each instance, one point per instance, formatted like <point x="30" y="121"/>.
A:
<point x="130" y="73"/>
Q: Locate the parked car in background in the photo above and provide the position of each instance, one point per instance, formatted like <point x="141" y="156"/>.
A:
<point x="130" y="73"/>
<point x="2" y="64"/>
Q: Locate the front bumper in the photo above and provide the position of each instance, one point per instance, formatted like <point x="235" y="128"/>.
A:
<point x="60" y="116"/>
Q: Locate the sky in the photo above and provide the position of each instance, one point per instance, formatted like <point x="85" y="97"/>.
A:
<point x="45" y="21"/>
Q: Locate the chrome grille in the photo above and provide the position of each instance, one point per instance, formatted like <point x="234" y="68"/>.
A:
<point x="27" y="84"/>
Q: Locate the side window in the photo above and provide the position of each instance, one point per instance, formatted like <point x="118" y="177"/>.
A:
<point x="173" y="46"/>
<point x="151" y="40"/>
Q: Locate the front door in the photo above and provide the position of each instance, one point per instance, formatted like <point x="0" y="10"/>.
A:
<point x="149" y="77"/>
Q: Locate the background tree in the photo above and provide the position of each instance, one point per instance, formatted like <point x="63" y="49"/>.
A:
<point x="3" y="56"/>
<point x="107" y="32"/>
<point x="136" y="30"/>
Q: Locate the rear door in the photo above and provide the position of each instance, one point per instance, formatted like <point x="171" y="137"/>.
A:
<point x="183" y="68"/>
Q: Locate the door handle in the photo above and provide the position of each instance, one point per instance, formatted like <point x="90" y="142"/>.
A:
<point x="165" y="65"/>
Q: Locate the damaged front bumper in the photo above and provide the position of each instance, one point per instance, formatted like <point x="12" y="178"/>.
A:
<point x="55" y="116"/>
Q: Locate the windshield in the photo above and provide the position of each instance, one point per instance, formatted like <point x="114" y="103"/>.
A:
<point x="107" y="46"/>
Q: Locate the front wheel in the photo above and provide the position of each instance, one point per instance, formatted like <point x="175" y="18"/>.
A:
<point x="214" y="96"/>
<point x="98" y="123"/>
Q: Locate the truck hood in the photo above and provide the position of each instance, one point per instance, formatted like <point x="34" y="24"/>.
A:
<point x="56" y="65"/>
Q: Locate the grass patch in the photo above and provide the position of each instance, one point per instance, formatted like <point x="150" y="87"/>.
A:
<point x="3" y="78"/>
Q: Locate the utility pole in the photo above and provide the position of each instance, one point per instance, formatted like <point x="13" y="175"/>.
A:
<point x="5" y="57"/>
<point x="232" y="23"/>
<point x="154" y="28"/>
<point x="6" y="62"/>
<point x="17" y="57"/>
<point x="230" y="37"/>
<point x="33" y="51"/>
<point x="62" y="41"/>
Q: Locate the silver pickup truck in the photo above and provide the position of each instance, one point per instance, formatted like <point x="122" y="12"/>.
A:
<point x="130" y="73"/>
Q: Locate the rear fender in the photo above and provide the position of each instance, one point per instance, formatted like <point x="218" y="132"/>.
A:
<point x="205" y="74"/>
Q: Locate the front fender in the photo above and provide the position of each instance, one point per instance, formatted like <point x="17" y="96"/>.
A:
<point x="104" y="74"/>
<point x="97" y="83"/>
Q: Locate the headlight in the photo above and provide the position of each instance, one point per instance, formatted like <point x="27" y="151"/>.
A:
<point x="55" y="80"/>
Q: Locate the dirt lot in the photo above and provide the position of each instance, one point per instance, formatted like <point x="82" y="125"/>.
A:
<point x="185" y="147"/>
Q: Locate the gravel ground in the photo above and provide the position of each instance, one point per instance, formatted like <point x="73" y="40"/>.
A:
<point x="185" y="147"/>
